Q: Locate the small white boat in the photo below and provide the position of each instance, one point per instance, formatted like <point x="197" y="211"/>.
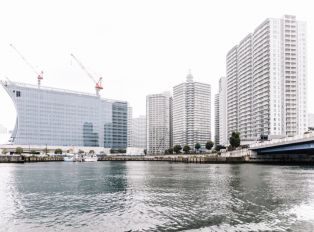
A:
<point x="90" y="158"/>
<point x="77" y="157"/>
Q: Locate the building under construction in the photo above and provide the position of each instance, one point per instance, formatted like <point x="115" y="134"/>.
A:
<point x="59" y="117"/>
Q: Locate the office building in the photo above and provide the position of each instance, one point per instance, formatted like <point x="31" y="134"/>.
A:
<point x="3" y="130"/>
<point x="191" y="113"/>
<point x="59" y="117"/>
<point x="159" y="122"/>
<point x="267" y="80"/>
<point x="139" y="132"/>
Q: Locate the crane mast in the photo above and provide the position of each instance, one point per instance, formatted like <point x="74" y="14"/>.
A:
<point x="98" y="86"/>
<point x="39" y="75"/>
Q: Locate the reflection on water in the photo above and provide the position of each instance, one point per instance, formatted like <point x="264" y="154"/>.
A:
<point x="155" y="196"/>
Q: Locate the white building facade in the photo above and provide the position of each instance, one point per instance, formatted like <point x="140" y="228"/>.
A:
<point x="266" y="80"/>
<point x="310" y="120"/>
<point x="191" y="113"/>
<point x="222" y="118"/>
<point x="130" y="121"/>
<point x="159" y="122"/>
<point x="216" y="138"/>
<point x="139" y="132"/>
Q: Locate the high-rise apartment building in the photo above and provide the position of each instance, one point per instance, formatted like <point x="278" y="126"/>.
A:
<point x="266" y="80"/>
<point x="310" y="120"/>
<point x="159" y="122"/>
<point x="216" y="138"/>
<point x="130" y="130"/>
<point x="191" y="113"/>
<point x="139" y="132"/>
<point x="221" y="114"/>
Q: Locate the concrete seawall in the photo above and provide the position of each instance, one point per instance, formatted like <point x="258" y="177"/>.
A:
<point x="183" y="160"/>
<point x="20" y="159"/>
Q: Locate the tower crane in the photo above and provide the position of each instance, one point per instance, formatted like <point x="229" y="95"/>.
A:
<point x="98" y="86"/>
<point x="40" y="75"/>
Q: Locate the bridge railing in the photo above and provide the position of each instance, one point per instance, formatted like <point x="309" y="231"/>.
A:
<point x="297" y="137"/>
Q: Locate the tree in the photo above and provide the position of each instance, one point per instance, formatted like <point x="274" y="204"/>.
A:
<point x="197" y="146"/>
<point x="234" y="140"/>
<point x="186" y="148"/>
<point x="81" y="151"/>
<point x="218" y="147"/>
<point x="19" y="150"/>
<point x="177" y="148"/>
<point x="91" y="152"/>
<point x="209" y="145"/>
<point x="102" y="152"/>
<point x="230" y="148"/>
<point x="58" y="151"/>
<point x="166" y="151"/>
<point x="46" y="150"/>
<point x="112" y="151"/>
<point x="218" y="153"/>
<point x="145" y="152"/>
<point x="170" y="150"/>
<point x="5" y="151"/>
<point x="33" y="152"/>
<point x="307" y="132"/>
<point x="121" y="150"/>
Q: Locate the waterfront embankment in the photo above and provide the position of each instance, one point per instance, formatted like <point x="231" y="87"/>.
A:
<point x="23" y="159"/>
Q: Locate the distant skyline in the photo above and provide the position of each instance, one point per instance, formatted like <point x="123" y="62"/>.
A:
<point x="138" y="47"/>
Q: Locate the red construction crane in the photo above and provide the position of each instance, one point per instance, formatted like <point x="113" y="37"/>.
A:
<point x="98" y="84"/>
<point x="40" y="75"/>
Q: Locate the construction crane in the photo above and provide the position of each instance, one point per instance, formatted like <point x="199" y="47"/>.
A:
<point x="98" y="86"/>
<point x="39" y="75"/>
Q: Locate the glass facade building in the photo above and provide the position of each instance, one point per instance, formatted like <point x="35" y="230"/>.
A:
<point x="58" y="117"/>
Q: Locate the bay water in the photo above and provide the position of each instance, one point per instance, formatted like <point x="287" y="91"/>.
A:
<point x="156" y="196"/>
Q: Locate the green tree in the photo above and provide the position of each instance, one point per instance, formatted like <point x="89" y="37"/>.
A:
<point x="218" y="153"/>
<point x="102" y="152"/>
<point x="170" y="150"/>
<point x="145" y="152"/>
<point x="112" y="151"/>
<point x="19" y="150"/>
<point x="166" y="151"/>
<point x="218" y="147"/>
<point x="121" y="150"/>
<point x="81" y="151"/>
<point x="58" y="151"/>
<point x="230" y="148"/>
<point x="46" y="150"/>
<point x="234" y="140"/>
<point x="209" y="145"/>
<point x="186" y="148"/>
<point x="33" y="152"/>
<point x="197" y="146"/>
<point x="177" y="148"/>
<point x="5" y="151"/>
<point x="307" y="132"/>
<point x="91" y="152"/>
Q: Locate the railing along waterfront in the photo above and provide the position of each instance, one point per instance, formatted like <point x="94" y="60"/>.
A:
<point x="297" y="137"/>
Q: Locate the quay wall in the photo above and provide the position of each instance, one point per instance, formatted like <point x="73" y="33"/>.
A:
<point x="21" y="159"/>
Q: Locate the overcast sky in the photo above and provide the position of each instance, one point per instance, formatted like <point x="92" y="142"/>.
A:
<point x="138" y="47"/>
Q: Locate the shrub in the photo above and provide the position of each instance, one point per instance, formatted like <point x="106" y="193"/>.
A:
<point x="307" y="132"/>
<point x="218" y="153"/>
<point x="19" y="150"/>
<point x="112" y="151"/>
<point x="5" y="151"/>
<point x="180" y="156"/>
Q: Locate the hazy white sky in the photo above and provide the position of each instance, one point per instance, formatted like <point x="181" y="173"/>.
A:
<point x="138" y="47"/>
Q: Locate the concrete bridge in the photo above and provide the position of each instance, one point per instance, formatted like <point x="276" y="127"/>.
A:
<point x="302" y="144"/>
